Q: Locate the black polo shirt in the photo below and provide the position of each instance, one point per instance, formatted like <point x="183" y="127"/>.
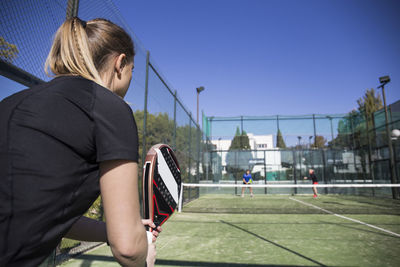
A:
<point x="314" y="178"/>
<point x="52" y="139"/>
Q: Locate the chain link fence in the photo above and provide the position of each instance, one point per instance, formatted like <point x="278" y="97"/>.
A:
<point x="341" y="148"/>
<point x="27" y="28"/>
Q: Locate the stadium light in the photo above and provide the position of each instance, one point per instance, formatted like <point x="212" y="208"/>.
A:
<point x="395" y="134"/>
<point x="384" y="80"/>
<point x="198" y="90"/>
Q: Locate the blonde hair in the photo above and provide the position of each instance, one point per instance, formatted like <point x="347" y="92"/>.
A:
<point x="84" y="48"/>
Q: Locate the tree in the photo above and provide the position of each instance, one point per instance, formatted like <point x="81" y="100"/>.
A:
<point x="279" y="140"/>
<point x="160" y="129"/>
<point x="212" y="162"/>
<point x="239" y="154"/>
<point x="240" y="141"/>
<point x="344" y="138"/>
<point x="370" y="102"/>
<point x="352" y="130"/>
<point x="8" y="52"/>
<point x="367" y="106"/>
<point x="319" y="142"/>
<point x="353" y="127"/>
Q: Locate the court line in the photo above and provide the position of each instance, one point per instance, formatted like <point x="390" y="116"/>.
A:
<point x="347" y="218"/>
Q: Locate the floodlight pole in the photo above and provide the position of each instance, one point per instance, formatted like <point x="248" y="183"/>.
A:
<point x="299" y="137"/>
<point x="198" y="90"/>
<point x="384" y="81"/>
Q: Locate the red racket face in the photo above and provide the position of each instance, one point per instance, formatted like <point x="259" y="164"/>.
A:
<point x="161" y="184"/>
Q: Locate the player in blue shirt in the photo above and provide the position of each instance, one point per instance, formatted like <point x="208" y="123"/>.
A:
<point x="247" y="180"/>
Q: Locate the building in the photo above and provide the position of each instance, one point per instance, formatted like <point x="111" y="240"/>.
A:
<point x="265" y="157"/>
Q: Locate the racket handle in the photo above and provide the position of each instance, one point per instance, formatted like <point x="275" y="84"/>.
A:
<point x="149" y="237"/>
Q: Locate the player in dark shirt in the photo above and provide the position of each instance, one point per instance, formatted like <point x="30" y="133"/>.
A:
<point x="64" y="142"/>
<point x="314" y="181"/>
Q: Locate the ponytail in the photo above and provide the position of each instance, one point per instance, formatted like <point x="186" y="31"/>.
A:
<point x="83" y="48"/>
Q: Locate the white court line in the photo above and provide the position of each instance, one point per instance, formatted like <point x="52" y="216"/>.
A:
<point x="347" y="218"/>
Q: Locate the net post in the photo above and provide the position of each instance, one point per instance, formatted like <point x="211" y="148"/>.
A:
<point x="180" y="199"/>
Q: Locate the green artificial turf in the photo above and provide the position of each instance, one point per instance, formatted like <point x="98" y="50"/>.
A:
<point x="291" y="234"/>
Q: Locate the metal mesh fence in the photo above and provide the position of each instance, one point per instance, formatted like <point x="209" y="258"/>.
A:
<point x="269" y="198"/>
<point x="341" y="148"/>
<point x="27" y="28"/>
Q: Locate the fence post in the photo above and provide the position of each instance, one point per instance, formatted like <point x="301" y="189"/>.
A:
<point x="72" y="8"/>
<point x="190" y="151"/>
<point x="324" y="168"/>
<point x="315" y="131"/>
<point x="371" y="173"/>
<point x="198" y="153"/>
<point x="174" y="136"/>
<point x="236" y="173"/>
<point x="354" y="146"/>
<point x="18" y="75"/>
<point x="146" y="92"/>
<point x="294" y="170"/>
<point x="265" y="174"/>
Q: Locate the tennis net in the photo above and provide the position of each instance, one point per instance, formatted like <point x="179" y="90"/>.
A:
<point x="290" y="199"/>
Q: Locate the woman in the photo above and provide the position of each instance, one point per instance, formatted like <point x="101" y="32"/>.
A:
<point x="63" y="142"/>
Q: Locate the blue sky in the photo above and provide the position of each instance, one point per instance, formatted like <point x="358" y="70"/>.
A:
<point x="267" y="57"/>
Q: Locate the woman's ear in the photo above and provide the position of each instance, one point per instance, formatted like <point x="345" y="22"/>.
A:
<point x="120" y="64"/>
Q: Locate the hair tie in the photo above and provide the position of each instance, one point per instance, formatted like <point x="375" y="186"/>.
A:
<point x="82" y="22"/>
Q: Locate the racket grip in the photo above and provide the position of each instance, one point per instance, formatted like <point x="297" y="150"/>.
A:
<point x="149" y="237"/>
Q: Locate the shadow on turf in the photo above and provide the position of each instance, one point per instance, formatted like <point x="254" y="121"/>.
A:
<point x="88" y="260"/>
<point x="216" y="264"/>
<point x="275" y="244"/>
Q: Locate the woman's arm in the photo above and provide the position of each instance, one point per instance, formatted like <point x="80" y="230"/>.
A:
<point x="125" y="231"/>
<point x="87" y="229"/>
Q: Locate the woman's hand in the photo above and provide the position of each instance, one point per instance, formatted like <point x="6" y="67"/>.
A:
<point x="151" y="249"/>
<point x="155" y="232"/>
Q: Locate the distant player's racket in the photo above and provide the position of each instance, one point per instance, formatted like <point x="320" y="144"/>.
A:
<point x="161" y="184"/>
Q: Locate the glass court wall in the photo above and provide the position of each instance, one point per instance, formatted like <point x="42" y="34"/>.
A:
<point x="341" y="148"/>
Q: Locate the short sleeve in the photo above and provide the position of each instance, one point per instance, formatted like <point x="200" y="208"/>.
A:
<point x="115" y="128"/>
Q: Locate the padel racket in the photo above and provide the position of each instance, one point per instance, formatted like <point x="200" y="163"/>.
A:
<point x="161" y="184"/>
